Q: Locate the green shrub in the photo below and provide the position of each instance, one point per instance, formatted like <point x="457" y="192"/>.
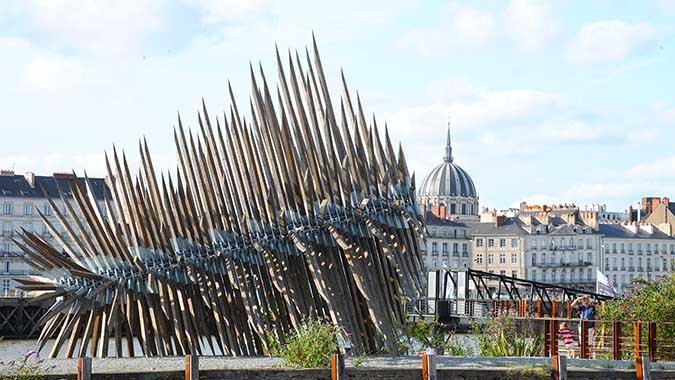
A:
<point x="310" y="346"/>
<point x="499" y="336"/>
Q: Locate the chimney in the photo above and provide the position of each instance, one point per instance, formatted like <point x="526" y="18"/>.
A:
<point x="526" y="219"/>
<point x="589" y="218"/>
<point x="30" y="178"/>
<point x="6" y="172"/>
<point x="632" y="227"/>
<point x="499" y="220"/>
<point x="487" y="216"/>
<point x="64" y="175"/>
<point x="442" y="211"/>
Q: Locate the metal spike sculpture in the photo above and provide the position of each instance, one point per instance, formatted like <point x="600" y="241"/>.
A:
<point x="297" y="213"/>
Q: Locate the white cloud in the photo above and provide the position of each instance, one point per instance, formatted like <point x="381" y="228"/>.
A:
<point x="467" y="29"/>
<point x="216" y="11"/>
<point x="614" y="40"/>
<point x="103" y="27"/>
<point x="530" y="23"/>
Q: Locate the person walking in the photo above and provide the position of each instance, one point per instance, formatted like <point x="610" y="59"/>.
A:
<point x="588" y="313"/>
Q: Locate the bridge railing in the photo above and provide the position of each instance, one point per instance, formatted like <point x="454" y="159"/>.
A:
<point x="614" y="340"/>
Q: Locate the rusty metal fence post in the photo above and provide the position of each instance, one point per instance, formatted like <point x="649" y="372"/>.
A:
<point x="554" y="338"/>
<point x="337" y="367"/>
<point x="637" y="338"/>
<point x="191" y="367"/>
<point x="616" y="341"/>
<point x="651" y="341"/>
<point x="583" y="337"/>
<point x="428" y="367"/>
<point x="83" y="368"/>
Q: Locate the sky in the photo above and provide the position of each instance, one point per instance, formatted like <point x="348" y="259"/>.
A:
<point x="549" y="102"/>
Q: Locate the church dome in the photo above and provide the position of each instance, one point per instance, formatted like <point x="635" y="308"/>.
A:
<point x="448" y="179"/>
<point x="448" y="190"/>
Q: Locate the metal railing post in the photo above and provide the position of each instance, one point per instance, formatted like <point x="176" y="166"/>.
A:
<point x="547" y="338"/>
<point x="83" y="368"/>
<point x="651" y="341"/>
<point x="191" y="367"/>
<point x="616" y="342"/>
<point x="554" y="338"/>
<point x="584" y="340"/>
<point x="428" y="367"/>
<point x="637" y="338"/>
<point x="337" y="367"/>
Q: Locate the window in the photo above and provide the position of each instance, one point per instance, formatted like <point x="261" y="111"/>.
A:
<point x="589" y="243"/>
<point x="581" y="274"/>
<point x="563" y="275"/>
<point x="672" y="249"/>
<point x="514" y="243"/>
<point x="455" y="249"/>
<point x="45" y="231"/>
<point x="572" y="274"/>
<point x="613" y="247"/>
<point x="649" y="248"/>
<point x="543" y="276"/>
<point x="589" y="272"/>
<point x="589" y="257"/>
<point x="7" y="229"/>
<point x="445" y="248"/>
<point x="502" y="243"/>
<point x="649" y="264"/>
<point x="614" y="260"/>
<point x="623" y="279"/>
<point x="623" y="250"/>
<point x="533" y="244"/>
<point x="479" y="242"/>
<point x="534" y="258"/>
<point x="543" y="258"/>
<point x="5" y="287"/>
<point x="491" y="258"/>
<point x="514" y="258"/>
<point x="453" y="208"/>
<point x="630" y="262"/>
<point x="464" y="209"/>
<point x="6" y="266"/>
<point x="7" y="208"/>
<point x="465" y="249"/>
<point x="606" y="263"/>
<point x="434" y="248"/>
<point x="639" y="247"/>
<point x="491" y="242"/>
<point x="502" y="258"/>
<point x="502" y="272"/>
<point x="623" y="263"/>
<point x="479" y="258"/>
<point x="48" y="209"/>
<point x="553" y="275"/>
<point x="7" y="248"/>
<point x="514" y="273"/>
<point x="27" y="209"/>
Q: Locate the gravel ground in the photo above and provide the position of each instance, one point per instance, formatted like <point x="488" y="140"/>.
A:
<point x="10" y="350"/>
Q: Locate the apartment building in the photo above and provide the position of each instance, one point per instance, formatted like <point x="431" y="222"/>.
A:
<point x="21" y="202"/>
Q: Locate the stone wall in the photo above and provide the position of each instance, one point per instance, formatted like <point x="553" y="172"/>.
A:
<point x="381" y="374"/>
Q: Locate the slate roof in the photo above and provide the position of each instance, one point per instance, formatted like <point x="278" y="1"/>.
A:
<point x="433" y="220"/>
<point x="618" y="231"/>
<point x="18" y="186"/>
<point x="509" y="228"/>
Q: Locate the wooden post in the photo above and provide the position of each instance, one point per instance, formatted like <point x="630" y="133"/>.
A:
<point x="554" y="310"/>
<point x="83" y="368"/>
<point x="554" y="338"/>
<point x="538" y="308"/>
<point x="547" y="338"/>
<point x="616" y="342"/>
<point x="642" y="368"/>
<point x="191" y="367"/>
<point x="337" y="367"/>
<point x="559" y="364"/>
<point x="637" y="338"/>
<point x="651" y="345"/>
<point x="584" y="339"/>
<point x="429" y="367"/>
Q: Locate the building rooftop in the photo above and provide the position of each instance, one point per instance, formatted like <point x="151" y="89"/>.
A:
<point x="508" y="228"/>
<point x="12" y="185"/>
<point x="432" y="220"/>
<point x="620" y="231"/>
